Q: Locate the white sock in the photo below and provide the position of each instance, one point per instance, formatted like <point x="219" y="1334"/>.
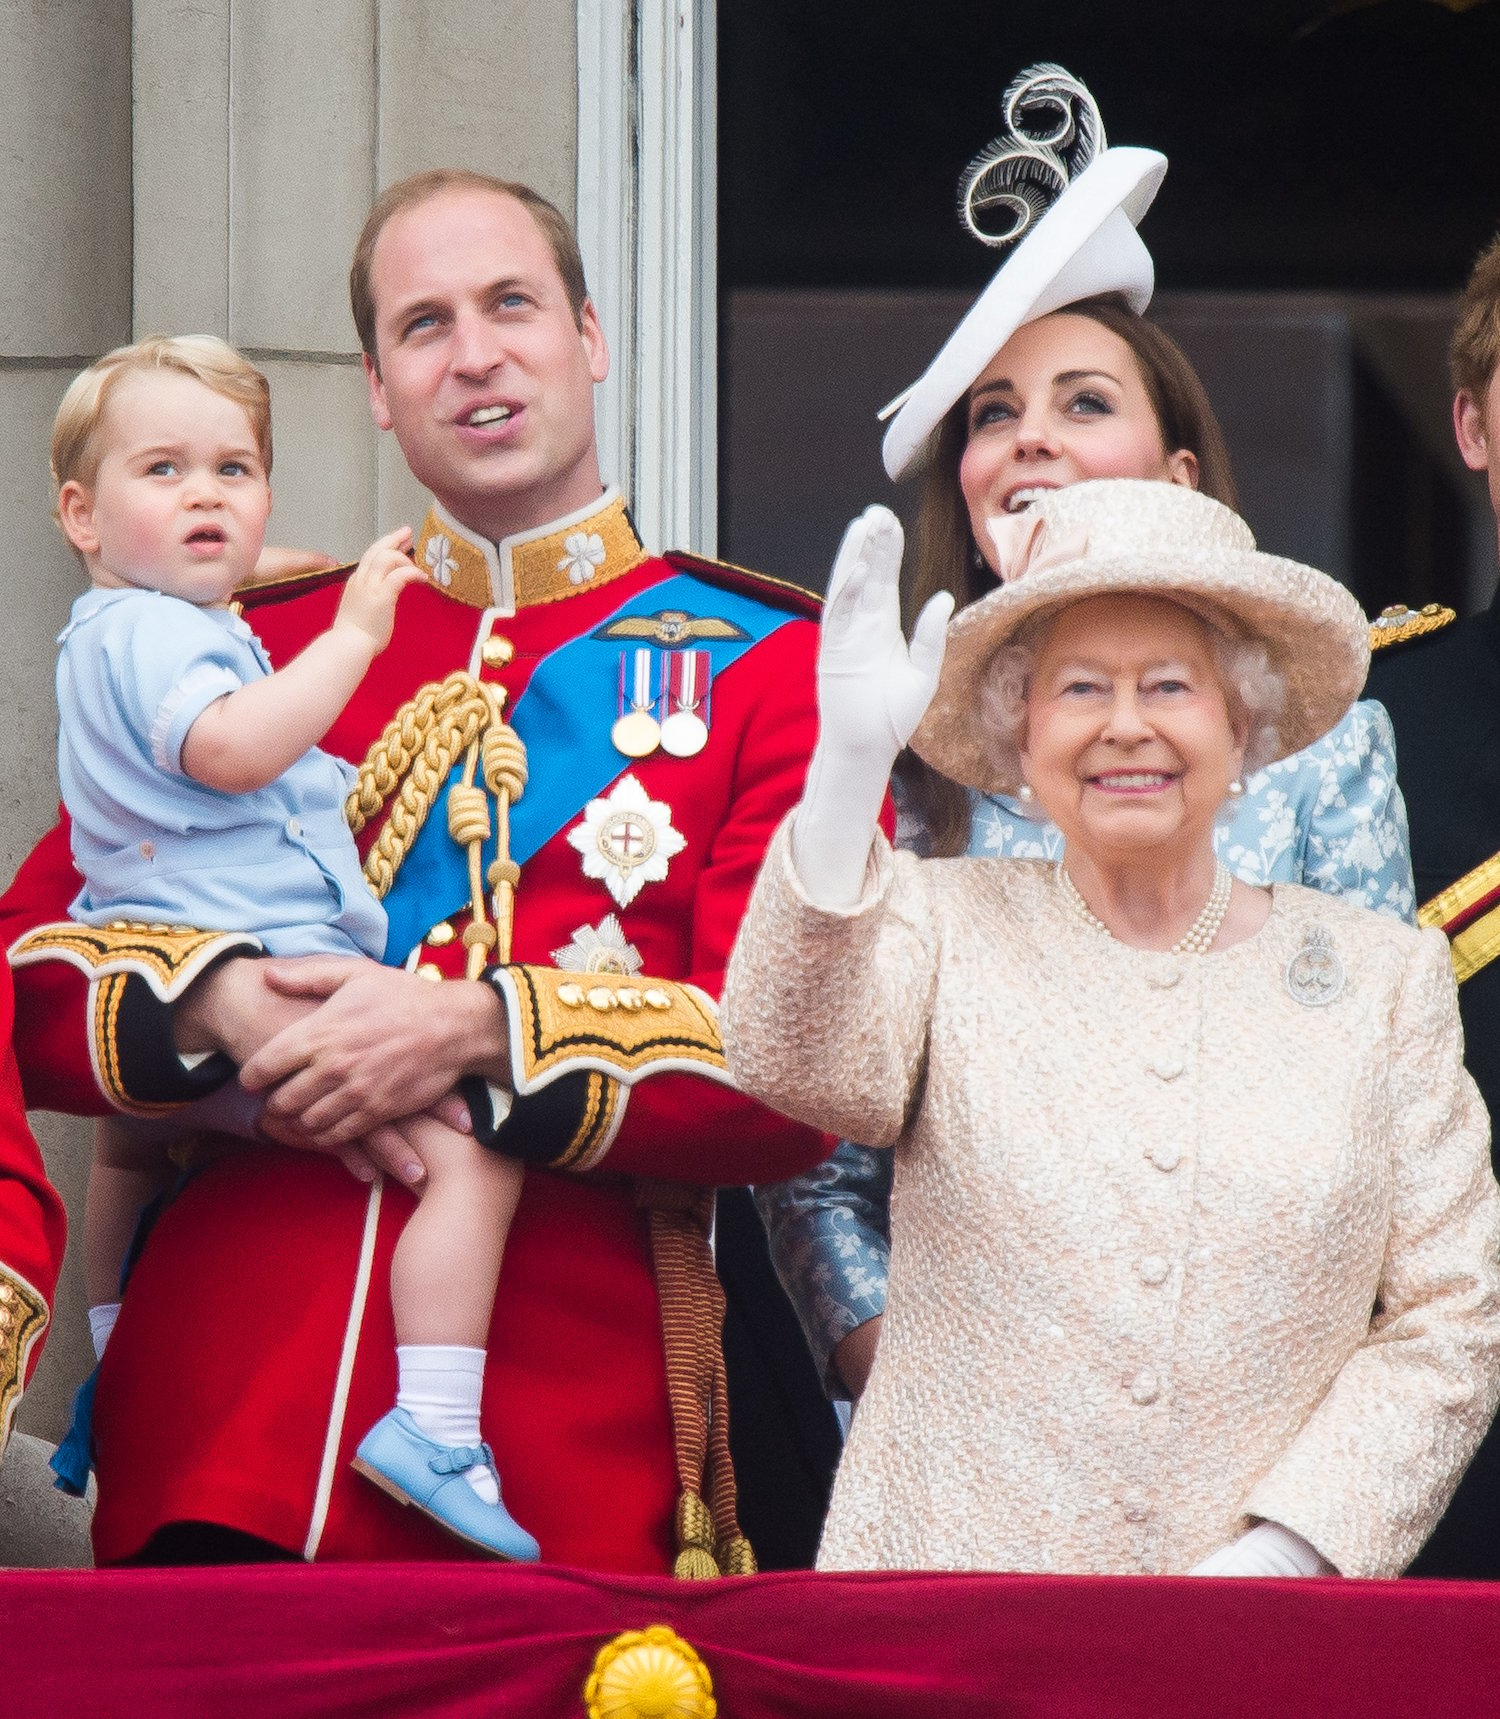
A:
<point x="101" y="1322"/>
<point x="439" y="1386"/>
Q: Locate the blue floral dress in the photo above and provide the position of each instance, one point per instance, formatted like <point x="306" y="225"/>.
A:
<point x="1330" y="817"/>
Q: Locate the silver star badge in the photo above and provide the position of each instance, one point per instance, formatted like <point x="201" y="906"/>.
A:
<point x="626" y="840"/>
<point x="600" y="948"/>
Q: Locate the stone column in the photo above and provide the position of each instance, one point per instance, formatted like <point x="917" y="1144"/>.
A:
<point x="64" y="296"/>
<point x="182" y="166"/>
<point x="262" y="134"/>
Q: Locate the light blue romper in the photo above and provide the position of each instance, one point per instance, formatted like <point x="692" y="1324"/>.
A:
<point x="137" y="668"/>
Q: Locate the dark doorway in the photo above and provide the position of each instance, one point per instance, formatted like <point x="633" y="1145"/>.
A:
<point x="1334" y="172"/>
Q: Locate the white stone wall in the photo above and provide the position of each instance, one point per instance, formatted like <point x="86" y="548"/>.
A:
<point x="205" y="165"/>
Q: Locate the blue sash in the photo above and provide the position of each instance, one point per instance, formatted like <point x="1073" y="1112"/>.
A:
<point x="564" y="717"/>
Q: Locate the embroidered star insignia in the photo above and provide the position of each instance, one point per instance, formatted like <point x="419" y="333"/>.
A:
<point x="600" y="948"/>
<point x="626" y="840"/>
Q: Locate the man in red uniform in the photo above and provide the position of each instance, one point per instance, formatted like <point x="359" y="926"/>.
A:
<point x="621" y="733"/>
<point x="32" y="1232"/>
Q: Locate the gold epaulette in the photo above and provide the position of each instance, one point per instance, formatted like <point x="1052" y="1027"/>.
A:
<point x="281" y="587"/>
<point x="1468" y="914"/>
<point x="167" y="957"/>
<point x="1397" y="624"/>
<point x="625" y="1028"/>
<point x="779" y="593"/>
<point x="23" y="1318"/>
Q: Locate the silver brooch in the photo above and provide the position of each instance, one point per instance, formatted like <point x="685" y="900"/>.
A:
<point x="1315" y="975"/>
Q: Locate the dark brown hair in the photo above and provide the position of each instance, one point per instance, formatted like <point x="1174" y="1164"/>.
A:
<point x="1474" y="353"/>
<point x="419" y="188"/>
<point x="946" y="558"/>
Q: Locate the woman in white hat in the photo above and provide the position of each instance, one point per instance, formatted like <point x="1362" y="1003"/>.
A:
<point x="1028" y="396"/>
<point x="1194" y="1230"/>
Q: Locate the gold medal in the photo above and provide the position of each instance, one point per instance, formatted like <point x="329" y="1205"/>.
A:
<point x="636" y="731"/>
<point x="636" y="734"/>
<point x="684" y="734"/>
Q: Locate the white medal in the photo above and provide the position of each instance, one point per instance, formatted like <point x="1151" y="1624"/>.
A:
<point x="600" y="948"/>
<point x="684" y="733"/>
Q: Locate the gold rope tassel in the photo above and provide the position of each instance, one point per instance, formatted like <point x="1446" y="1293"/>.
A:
<point x="695" y="1535"/>
<point x="412" y="761"/>
<point x="505" y="773"/>
<point x="469" y="826"/>
<point x="692" y="1318"/>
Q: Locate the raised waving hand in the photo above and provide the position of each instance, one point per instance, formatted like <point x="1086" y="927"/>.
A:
<point x="873" y="689"/>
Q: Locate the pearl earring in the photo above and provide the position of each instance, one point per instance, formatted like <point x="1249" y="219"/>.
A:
<point x="1236" y="789"/>
<point x="1025" y="793"/>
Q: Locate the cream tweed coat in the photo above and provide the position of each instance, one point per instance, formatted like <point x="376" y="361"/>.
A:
<point x="1170" y="1248"/>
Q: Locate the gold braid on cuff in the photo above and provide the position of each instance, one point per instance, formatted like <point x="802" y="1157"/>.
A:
<point x="23" y="1318"/>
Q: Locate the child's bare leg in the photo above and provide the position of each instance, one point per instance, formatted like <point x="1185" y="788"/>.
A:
<point x="127" y="1172"/>
<point x="447" y="1261"/>
<point x="443" y="1279"/>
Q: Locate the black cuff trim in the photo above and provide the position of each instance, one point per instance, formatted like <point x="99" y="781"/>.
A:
<point x="542" y="1129"/>
<point x="149" y="1071"/>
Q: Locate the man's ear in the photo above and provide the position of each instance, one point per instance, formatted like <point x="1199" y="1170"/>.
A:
<point x="1469" y="431"/>
<point x="379" y="411"/>
<point x="594" y="342"/>
<point x="75" y="513"/>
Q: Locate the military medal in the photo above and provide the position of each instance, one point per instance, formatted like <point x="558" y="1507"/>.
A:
<point x="636" y="731"/>
<point x="684" y="733"/>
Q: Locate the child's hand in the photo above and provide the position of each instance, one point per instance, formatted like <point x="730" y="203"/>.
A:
<point x="369" y="599"/>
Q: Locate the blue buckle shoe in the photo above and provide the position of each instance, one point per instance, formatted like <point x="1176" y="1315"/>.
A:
<point x="414" y="1469"/>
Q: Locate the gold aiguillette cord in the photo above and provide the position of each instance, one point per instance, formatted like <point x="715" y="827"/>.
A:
<point x="502" y="753"/>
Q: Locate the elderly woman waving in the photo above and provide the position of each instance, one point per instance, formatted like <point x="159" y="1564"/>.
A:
<point x="1194" y="1231"/>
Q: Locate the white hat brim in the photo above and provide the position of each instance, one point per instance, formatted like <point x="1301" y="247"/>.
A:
<point x="1086" y="244"/>
<point x="1314" y="629"/>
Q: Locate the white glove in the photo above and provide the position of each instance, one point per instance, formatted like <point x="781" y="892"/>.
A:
<point x="872" y="693"/>
<point x="1267" y="1549"/>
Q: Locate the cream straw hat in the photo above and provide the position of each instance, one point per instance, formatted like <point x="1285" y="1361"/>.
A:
<point x="1068" y="209"/>
<point x="1163" y="540"/>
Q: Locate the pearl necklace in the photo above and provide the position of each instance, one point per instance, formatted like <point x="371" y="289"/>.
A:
<point x="1196" y="940"/>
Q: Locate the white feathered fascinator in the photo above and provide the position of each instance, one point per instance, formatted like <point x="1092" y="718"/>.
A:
<point x="1064" y="207"/>
<point x="1052" y="132"/>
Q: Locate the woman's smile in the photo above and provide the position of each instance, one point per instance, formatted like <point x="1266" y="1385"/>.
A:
<point x="1132" y="783"/>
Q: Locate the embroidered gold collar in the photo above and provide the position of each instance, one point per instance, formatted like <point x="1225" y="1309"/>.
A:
<point x="569" y="555"/>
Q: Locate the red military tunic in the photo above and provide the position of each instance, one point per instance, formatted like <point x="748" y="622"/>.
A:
<point x="256" y="1346"/>
<point x="32" y="1231"/>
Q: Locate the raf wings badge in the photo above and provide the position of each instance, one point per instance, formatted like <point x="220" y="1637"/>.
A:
<point x="672" y="629"/>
